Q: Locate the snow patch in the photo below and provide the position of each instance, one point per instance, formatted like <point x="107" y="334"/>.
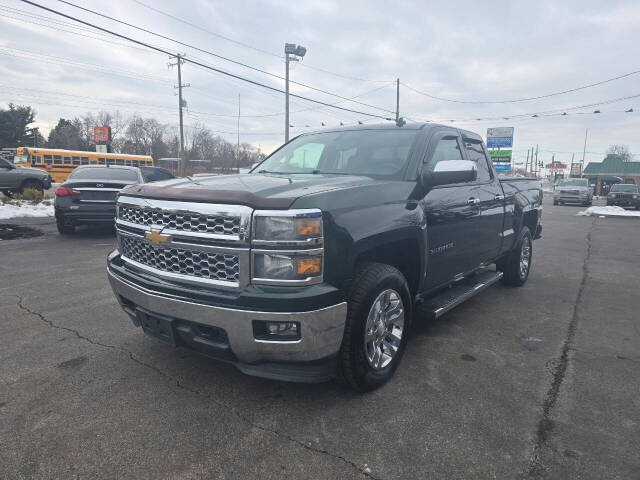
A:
<point x="25" y="209"/>
<point x="609" y="211"/>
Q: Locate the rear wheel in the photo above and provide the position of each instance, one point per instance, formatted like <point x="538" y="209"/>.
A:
<point x="517" y="264"/>
<point x="65" y="228"/>
<point x="378" y="320"/>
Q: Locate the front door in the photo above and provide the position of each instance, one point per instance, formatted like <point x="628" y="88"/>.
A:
<point x="450" y="212"/>
<point x="488" y="226"/>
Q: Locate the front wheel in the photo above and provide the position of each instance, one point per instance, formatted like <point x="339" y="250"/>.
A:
<point x="378" y="320"/>
<point x="32" y="184"/>
<point x="517" y="264"/>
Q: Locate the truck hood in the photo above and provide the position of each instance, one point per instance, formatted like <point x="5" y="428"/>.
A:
<point x="263" y="191"/>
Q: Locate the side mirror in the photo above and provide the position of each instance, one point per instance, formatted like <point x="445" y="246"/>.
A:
<point x="447" y="172"/>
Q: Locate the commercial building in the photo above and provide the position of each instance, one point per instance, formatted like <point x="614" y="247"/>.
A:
<point x="613" y="169"/>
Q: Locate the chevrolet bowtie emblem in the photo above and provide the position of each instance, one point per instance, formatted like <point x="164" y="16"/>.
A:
<point x="156" y="238"/>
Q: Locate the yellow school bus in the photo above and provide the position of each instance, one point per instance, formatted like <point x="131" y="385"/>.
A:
<point x="60" y="163"/>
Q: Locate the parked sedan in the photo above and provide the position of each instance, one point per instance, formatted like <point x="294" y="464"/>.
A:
<point x="573" y="190"/>
<point x="624" y="195"/>
<point x="89" y="194"/>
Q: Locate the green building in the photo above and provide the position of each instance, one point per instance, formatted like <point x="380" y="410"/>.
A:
<point x="613" y="169"/>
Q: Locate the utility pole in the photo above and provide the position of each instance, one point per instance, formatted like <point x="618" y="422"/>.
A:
<point x="238" y="149"/>
<point x="292" y="53"/>
<point x="526" y="164"/>
<point x="397" y="99"/>
<point x="584" y="150"/>
<point x="181" y="104"/>
<point x="536" y="153"/>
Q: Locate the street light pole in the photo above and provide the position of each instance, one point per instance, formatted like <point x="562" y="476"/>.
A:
<point x="286" y="98"/>
<point x="292" y="53"/>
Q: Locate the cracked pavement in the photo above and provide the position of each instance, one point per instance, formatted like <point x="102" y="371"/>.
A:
<point x="535" y="382"/>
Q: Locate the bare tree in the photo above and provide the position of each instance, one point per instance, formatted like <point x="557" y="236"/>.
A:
<point x="619" y="150"/>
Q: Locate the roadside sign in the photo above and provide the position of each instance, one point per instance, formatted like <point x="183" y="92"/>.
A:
<point x="499" y="142"/>
<point x="102" y="134"/>
<point x="499" y="153"/>
<point x="498" y="137"/>
<point x="502" y="167"/>
<point x="500" y="132"/>
<point x="576" y="170"/>
<point x="101" y="148"/>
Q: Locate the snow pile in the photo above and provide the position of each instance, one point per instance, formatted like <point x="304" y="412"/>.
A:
<point x="25" y="209"/>
<point x="610" y="211"/>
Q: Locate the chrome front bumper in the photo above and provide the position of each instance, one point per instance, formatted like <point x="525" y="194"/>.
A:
<point x="321" y="331"/>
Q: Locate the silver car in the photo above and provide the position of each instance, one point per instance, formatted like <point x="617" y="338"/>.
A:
<point x="14" y="179"/>
<point x="573" y="190"/>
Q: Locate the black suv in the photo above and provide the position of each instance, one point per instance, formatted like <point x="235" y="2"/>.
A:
<point x="624" y="195"/>
<point x="89" y="194"/>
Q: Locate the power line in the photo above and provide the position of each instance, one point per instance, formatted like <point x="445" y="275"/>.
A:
<point x="227" y="59"/>
<point x="526" y="99"/>
<point x="546" y="113"/>
<point x="209" y="67"/>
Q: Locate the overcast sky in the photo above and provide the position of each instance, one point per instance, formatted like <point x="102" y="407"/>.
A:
<point x="465" y="51"/>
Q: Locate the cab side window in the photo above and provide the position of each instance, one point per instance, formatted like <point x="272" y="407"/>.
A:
<point x="447" y="148"/>
<point x="476" y="154"/>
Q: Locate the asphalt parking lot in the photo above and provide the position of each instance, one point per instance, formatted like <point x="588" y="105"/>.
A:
<point x="534" y="382"/>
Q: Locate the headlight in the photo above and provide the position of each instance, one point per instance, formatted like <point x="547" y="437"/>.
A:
<point x="612" y="195"/>
<point x="288" y="227"/>
<point x="635" y="196"/>
<point x="287" y="267"/>
<point x="292" y="251"/>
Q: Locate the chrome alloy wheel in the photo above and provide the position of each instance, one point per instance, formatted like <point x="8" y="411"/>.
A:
<point x="384" y="329"/>
<point x="525" y="257"/>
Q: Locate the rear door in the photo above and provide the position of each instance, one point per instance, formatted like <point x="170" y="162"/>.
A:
<point x="487" y="228"/>
<point x="450" y="214"/>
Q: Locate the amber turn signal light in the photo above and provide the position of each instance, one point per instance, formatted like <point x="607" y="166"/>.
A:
<point x="308" y="266"/>
<point x="308" y="227"/>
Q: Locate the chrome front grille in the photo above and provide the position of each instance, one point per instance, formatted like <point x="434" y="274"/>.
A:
<point x="199" y="264"/>
<point x="181" y="220"/>
<point x="186" y="241"/>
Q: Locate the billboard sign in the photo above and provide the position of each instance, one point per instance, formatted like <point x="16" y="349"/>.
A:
<point x="101" y="134"/>
<point x="500" y="137"/>
<point x="555" y="166"/>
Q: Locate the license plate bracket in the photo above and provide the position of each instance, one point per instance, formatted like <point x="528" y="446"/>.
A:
<point x="157" y="326"/>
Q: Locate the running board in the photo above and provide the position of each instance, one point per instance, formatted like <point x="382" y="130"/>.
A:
<point x="437" y="306"/>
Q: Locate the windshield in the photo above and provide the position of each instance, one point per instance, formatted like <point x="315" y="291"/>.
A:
<point x="574" y="182"/>
<point x="20" y="159"/>
<point x="351" y="152"/>
<point x="104" y="173"/>
<point x="624" y="188"/>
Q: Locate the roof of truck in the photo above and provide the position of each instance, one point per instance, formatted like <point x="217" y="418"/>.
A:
<point x="391" y="126"/>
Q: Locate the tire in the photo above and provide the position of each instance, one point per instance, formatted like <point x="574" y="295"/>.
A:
<point x="514" y="274"/>
<point x="365" y="363"/>
<point x="65" y="228"/>
<point x="555" y="202"/>
<point x="35" y="184"/>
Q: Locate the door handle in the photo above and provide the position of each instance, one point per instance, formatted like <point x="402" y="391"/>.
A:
<point x="473" y="201"/>
<point x="499" y="197"/>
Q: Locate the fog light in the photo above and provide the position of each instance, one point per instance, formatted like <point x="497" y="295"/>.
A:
<point x="276" y="331"/>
